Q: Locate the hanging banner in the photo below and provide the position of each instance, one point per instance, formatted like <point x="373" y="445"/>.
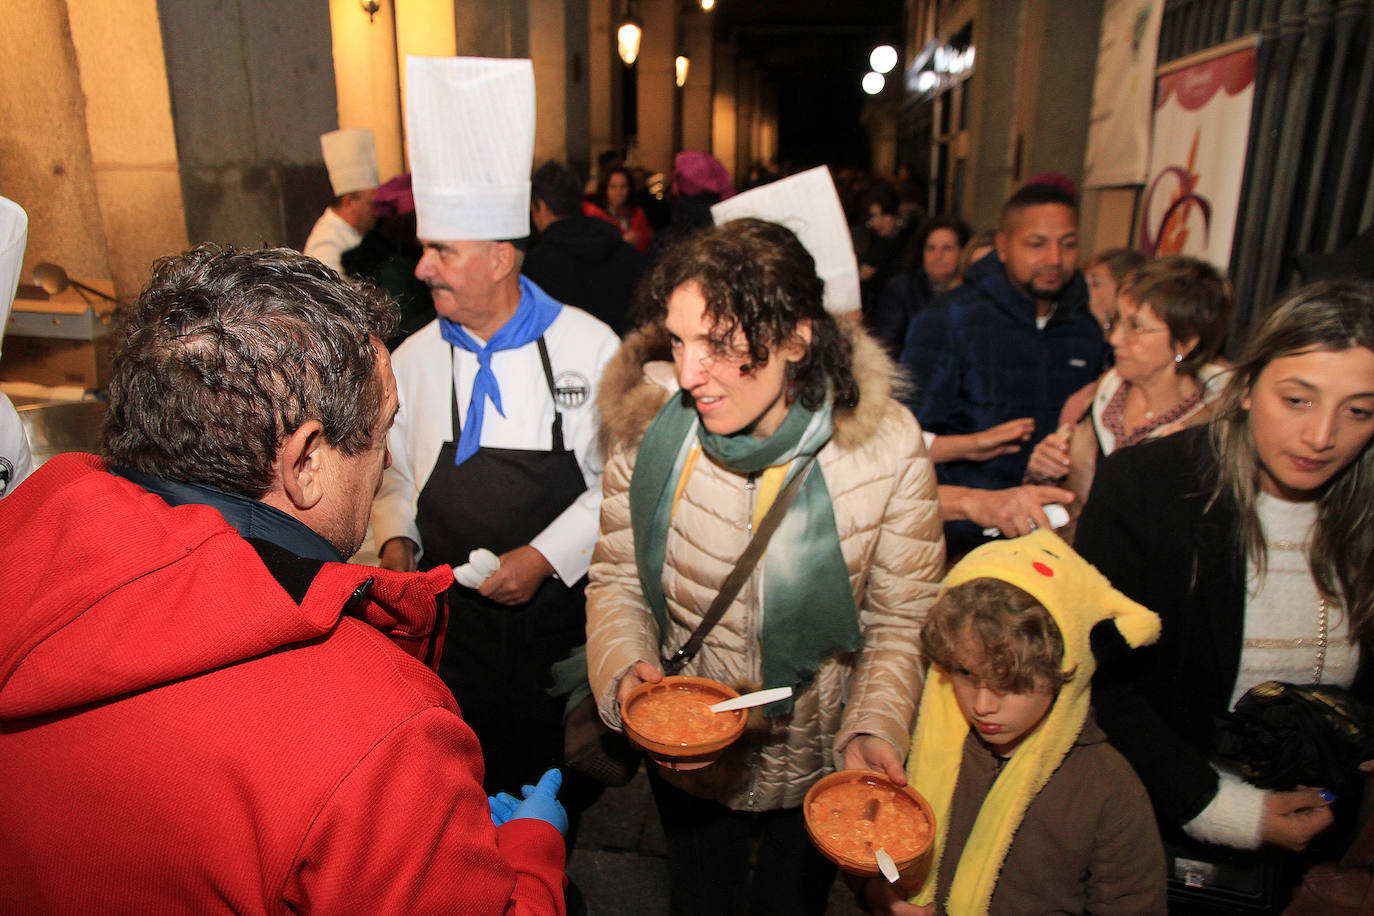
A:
<point x="1119" y="132"/>
<point x="1197" y="159"/>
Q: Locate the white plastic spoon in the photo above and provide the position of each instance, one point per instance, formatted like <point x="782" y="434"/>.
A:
<point x="887" y="866"/>
<point x="757" y="698"/>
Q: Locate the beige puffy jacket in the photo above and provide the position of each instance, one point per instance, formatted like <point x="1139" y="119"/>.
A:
<point x="883" y="489"/>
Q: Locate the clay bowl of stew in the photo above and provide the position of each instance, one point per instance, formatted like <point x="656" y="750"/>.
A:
<point x="671" y="721"/>
<point x="852" y="814"/>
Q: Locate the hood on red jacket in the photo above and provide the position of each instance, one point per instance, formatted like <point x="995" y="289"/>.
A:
<point x="87" y="620"/>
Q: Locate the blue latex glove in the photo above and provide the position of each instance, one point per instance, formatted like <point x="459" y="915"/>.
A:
<point x="541" y="802"/>
<point x="502" y="807"/>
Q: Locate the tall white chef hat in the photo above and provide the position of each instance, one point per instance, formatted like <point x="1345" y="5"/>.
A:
<point x="14" y="235"/>
<point x="470" y="123"/>
<point x="808" y="204"/>
<point x="351" y="157"/>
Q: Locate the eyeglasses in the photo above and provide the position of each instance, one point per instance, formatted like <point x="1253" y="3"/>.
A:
<point x="1131" y="326"/>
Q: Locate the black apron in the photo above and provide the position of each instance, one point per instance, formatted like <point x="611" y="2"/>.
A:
<point x="496" y="657"/>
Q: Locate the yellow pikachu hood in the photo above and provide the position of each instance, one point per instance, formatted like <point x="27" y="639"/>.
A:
<point x="1079" y="598"/>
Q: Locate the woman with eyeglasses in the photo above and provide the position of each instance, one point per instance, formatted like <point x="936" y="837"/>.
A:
<point x="1172" y="317"/>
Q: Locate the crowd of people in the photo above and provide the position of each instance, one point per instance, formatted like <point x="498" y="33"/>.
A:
<point x="600" y="406"/>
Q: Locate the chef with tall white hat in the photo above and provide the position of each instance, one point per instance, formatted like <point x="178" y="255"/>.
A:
<point x="494" y="447"/>
<point x="350" y="155"/>
<point x="16" y="460"/>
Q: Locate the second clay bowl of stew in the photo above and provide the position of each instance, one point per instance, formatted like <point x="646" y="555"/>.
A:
<point x="852" y="814"/>
<point x="672" y="722"/>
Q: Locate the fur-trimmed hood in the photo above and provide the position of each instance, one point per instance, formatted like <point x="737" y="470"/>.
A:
<point x="640" y="379"/>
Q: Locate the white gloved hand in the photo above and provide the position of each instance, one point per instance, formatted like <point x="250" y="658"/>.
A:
<point x="481" y="564"/>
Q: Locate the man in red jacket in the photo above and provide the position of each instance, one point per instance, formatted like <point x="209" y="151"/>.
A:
<point x="202" y="708"/>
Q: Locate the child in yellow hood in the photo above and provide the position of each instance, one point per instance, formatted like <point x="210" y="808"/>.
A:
<point x="1035" y="812"/>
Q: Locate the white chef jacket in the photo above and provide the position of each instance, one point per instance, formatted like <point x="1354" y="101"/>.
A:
<point x="331" y="237"/>
<point x="579" y="348"/>
<point x="16" y="461"/>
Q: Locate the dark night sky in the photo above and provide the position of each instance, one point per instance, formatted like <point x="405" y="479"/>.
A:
<point x="815" y="52"/>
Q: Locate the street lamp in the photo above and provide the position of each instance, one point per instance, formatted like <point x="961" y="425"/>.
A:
<point x="883" y="59"/>
<point x="628" y="36"/>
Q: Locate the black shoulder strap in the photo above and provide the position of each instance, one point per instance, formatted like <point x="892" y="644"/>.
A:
<point x="743" y="567"/>
<point x="548" y="378"/>
<point x="453" y="394"/>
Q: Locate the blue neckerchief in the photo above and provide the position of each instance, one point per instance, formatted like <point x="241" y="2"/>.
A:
<point x="250" y="517"/>
<point x="532" y="318"/>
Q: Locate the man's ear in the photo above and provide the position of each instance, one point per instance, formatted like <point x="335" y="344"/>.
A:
<point x="1001" y="241"/>
<point x="300" y="465"/>
<point x="503" y="260"/>
<point x="540" y="214"/>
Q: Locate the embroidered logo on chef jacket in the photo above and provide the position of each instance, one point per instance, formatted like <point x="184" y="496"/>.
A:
<point x="570" y="390"/>
<point x="1078" y="363"/>
<point x="6" y="475"/>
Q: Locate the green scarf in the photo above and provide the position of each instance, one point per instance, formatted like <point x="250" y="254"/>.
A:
<point x="808" y="608"/>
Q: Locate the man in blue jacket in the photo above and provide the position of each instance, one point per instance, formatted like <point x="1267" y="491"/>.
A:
<point x="1015" y="340"/>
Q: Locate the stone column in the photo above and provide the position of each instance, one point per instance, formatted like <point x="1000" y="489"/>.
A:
<point x="252" y="87"/>
<point x="746" y="118"/>
<point x="367" y="77"/>
<point x="548" y="52"/>
<point x="657" y="101"/>
<point x="696" y="94"/>
<point x="48" y="163"/>
<point x="604" y="88"/>
<point x="725" y="105"/>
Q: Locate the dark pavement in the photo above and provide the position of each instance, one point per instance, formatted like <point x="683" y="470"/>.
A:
<point x="620" y="861"/>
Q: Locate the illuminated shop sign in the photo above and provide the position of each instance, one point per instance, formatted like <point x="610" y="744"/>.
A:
<point x="940" y="65"/>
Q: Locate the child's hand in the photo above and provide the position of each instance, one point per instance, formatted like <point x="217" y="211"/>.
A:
<point x="886" y="899"/>
<point x="869" y="752"/>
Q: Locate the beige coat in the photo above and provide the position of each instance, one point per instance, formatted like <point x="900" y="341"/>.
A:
<point x="887" y="513"/>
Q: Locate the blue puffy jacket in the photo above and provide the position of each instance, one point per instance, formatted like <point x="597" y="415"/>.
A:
<point x="978" y="359"/>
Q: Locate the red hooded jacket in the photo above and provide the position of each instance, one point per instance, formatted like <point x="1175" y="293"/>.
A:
<point x="178" y="735"/>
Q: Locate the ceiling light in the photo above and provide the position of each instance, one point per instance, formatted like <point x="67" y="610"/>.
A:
<point x="873" y="82"/>
<point x="680" y="67"/>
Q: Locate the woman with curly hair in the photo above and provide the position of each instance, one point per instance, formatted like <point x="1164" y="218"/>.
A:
<point x="736" y="382"/>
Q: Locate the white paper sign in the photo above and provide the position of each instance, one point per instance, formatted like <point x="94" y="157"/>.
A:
<point x="808" y="204"/>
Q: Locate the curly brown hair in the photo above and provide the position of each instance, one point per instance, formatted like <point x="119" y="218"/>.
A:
<point x="227" y="352"/>
<point x="1021" y="644"/>
<point x="757" y="277"/>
